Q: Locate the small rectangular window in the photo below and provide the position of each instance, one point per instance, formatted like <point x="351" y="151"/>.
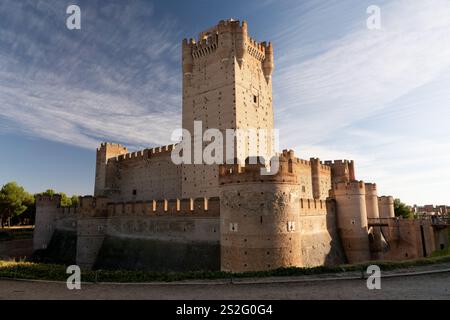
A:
<point x="134" y="192"/>
<point x="291" y="226"/>
<point x="255" y="99"/>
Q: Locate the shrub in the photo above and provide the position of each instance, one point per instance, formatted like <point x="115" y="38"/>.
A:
<point x="42" y="271"/>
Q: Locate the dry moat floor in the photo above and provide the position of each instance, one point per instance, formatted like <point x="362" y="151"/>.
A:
<point x="420" y="286"/>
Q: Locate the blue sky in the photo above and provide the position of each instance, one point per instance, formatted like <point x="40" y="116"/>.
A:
<point x="380" y="97"/>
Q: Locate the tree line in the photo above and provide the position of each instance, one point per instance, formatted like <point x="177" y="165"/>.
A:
<point x="18" y="207"/>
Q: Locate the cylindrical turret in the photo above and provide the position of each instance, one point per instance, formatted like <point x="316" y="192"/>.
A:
<point x="375" y="236"/>
<point x="315" y="174"/>
<point x="47" y="207"/>
<point x="241" y="41"/>
<point x="187" y="58"/>
<point x="268" y="64"/>
<point x="91" y="229"/>
<point x="259" y="219"/>
<point x="224" y="39"/>
<point x="342" y="170"/>
<point x="351" y="170"/>
<point x="372" y="201"/>
<point x="352" y="219"/>
<point x="386" y="207"/>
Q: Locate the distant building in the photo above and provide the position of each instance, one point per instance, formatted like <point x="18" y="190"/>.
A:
<point x="431" y="209"/>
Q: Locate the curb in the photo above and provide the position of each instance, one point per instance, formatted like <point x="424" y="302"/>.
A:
<point x="242" y="281"/>
<point x="363" y="277"/>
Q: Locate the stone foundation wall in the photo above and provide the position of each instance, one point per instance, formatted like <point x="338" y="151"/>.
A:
<point x="16" y="248"/>
<point x="161" y="243"/>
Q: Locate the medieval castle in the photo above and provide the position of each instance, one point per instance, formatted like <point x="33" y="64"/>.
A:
<point x="149" y="213"/>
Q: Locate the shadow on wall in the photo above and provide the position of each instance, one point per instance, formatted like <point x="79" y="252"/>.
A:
<point x="336" y="255"/>
<point x="155" y="255"/>
<point x="62" y="249"/>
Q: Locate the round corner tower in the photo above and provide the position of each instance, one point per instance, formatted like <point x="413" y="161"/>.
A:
<point x="259" y="220"/>
<point x="47" y="208"/>
<point x="352" y="219"/>
<point x="386" y="205"/>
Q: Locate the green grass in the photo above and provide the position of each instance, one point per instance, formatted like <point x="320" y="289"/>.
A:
<point x="441" y="253"/>
<point x="40" y="271"/>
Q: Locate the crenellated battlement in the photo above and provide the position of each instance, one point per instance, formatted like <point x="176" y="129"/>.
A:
<point x="337" y="162"/>
<point x="289" y="167"/>
<point x="93" y="206"/>
<point x="313" y="204"/>
<point x="70" y="210"/>
<point x="386" y="199"/>
<point x="342" y="170"/>
<point x="386" y="205"/>
<point x="358" y="186"/>
<point x="203" y="47"/>
<point x="88" y="205"/>
<point x="144" y="154"/>
<point x="251" y="172"/>
<point x="101" y="207"/>
<point x="112" y="145"/>
<point x="218" y="38"/>
<point x="320" y="165"/>
<point x="208" y="40"/>
<point x="167" y="207"/>
<point x="257" y="49"/>
<point x="44" y="199"/>
<point x="349" y="185"/>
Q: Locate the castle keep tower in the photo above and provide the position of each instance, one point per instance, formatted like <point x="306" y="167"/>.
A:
<point x="227" y="84"/>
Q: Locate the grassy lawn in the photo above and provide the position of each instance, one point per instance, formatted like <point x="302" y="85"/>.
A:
<point x="40" y="271"/>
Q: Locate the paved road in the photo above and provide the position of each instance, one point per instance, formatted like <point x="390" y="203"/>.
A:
<point x="430" y="286"/>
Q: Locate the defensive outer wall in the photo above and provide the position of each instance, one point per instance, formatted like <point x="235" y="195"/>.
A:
<point x="259" y="222"/>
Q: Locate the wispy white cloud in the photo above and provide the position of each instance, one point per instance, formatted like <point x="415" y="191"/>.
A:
<point x="365" y="70"/>
<point x="101" y="82"/>
<point x="341" y="91"/>
<point x="370" y="96"/>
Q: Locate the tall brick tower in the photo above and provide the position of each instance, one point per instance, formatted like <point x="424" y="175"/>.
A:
<point x="227" y="84"/>
<point x="105" y="152"/>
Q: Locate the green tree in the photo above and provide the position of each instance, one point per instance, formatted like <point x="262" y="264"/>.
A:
<point x="402" y="210"/>
<point x="13" y="201"/>
<point x="75" y="201"/>
<point x="65" y="200"/>
<point x="49" y="192"/>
